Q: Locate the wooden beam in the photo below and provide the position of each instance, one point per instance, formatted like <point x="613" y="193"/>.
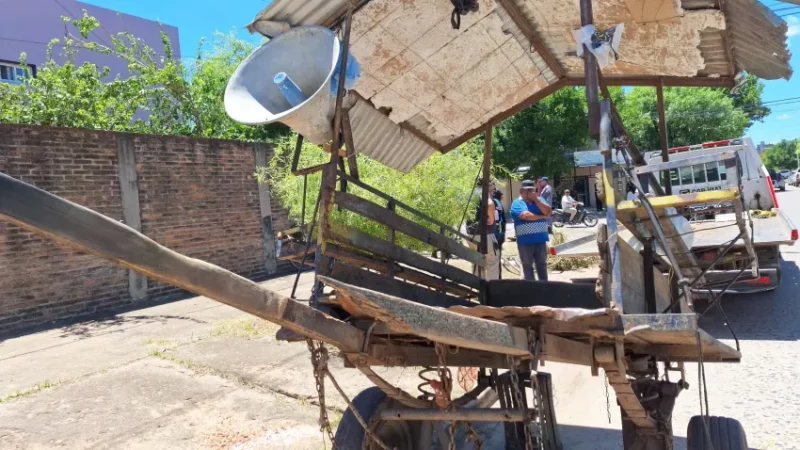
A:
<point x="662" y="134"/>
<point x="626" y="80"/>
<point x="516" y="14"/>
<point x="347" y="131"/>
<point x="358" y="239"/>
<point x="590" y="73"/>
<point x="402" y="272"/>
<point x="435" y="324"/>
<point x="525" y="104"/>
<point x="397" y="222"/>
<point x="483" y="221"/>
<point x="355" y="276"/>
<point x="89" y="231"/>
<point x="420" y="135"/>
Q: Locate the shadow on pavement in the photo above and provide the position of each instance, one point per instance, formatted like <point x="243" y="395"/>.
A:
<point x="575" y="437"/>
<point x="772" y="316"/>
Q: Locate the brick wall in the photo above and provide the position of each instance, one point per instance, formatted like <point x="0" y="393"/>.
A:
<point x="196" y="196"/>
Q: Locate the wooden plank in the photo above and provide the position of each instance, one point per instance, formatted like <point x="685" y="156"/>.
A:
<point x="363" y="241"/>
<point x="89" y="231"/>
<point x="397" y="222"/>
<point x="556" y="349"/>
<point x="349" y="274"/>
<point x="436" y="324"/>
<point x="405" y="273"/>
<point x="392" y="355"/>
<point x="533" y="36"/>
<point x="554" y="294"/>
<point x="309" y="170"/>
<point x="347" y="131"/>
<point x="649" y="80"/>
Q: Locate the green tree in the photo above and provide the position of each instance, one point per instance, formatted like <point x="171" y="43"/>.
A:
<point x="782" y="155"/>
<point x="747" y="98"/>
<point x="160" y="95"/>
<point x="694" y="115"/>
<point x="539" y="136"/>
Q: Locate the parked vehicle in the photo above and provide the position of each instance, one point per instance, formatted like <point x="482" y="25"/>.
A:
<point x="711" y="222"/>
<point x="795" y="178"/>
<point x="778" y="180"/>
<point x="786" y="173"/>
<point x="561" y="217"/>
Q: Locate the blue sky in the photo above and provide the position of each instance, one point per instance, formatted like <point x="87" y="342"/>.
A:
<point x="196" y="19"/>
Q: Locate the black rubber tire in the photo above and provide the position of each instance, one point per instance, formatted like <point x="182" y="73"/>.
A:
<point x="558" y="224"/>
<point x="350" y="434"/>
<point x="725" y="434"/>
<point x="590" y="220"/>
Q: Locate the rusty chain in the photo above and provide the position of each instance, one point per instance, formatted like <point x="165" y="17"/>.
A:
<point x="512" y="367"/>
<point x="319" y="361"/>
<point x="535" y="348"/>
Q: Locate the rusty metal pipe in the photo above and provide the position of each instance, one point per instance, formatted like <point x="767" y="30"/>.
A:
<point x="467" y="414"/>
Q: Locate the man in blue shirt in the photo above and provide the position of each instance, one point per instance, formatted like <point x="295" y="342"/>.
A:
<point x="530" y="213"/>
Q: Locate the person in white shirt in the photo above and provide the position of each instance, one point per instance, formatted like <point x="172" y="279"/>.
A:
<point x="568" y="204"/>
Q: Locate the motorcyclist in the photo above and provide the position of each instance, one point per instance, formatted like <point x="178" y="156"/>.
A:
<point x="568" y="204"/>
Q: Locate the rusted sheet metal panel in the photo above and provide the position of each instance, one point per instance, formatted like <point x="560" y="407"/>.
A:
<point x="378" y="137"/>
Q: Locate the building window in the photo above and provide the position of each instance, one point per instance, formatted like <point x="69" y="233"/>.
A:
<point x="13" y="73"/>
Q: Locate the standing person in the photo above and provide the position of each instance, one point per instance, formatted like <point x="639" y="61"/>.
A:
<point x="569" y="205"/>
<point x="500" y="220"/>
<point x="530" y="213"/>
<point x="546" y="192"/>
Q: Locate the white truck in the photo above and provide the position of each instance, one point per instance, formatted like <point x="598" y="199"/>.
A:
<point x="713" y="230"/>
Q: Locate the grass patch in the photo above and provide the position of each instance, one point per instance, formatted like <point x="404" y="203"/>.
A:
<point x="245" y="327"/>
<point x="189" y="364"/>
<point x="159" y="342"/>
<point x="561" y="264"/>
<point x="43" y="386"/>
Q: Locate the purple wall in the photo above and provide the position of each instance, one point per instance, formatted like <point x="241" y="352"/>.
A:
<point x="28" y="25"/>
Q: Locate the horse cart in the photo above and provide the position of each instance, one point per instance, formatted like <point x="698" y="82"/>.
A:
<point x="381" y="305"/>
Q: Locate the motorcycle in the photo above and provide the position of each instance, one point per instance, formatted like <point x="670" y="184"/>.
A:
<point x="561" y="217"/>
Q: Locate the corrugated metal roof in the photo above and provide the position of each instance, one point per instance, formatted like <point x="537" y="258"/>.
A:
<point x="376" y="136"/>
<point x="758" y="39"/>
<point x="303" y="12"/>
<point x="419" y="72"/>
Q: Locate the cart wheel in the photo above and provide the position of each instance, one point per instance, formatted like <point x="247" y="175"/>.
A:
<point x="722" y="433"/>
<point x="350" y="434"/>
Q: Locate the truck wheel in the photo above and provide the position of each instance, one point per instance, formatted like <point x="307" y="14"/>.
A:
<point x="715" y="433"/>
<point x="350" y="434"/>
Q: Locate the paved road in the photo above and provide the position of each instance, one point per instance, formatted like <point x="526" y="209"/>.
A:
<point x="762" y="391"/>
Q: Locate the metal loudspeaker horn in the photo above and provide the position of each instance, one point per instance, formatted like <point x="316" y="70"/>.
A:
<point x="288" y="80"/>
